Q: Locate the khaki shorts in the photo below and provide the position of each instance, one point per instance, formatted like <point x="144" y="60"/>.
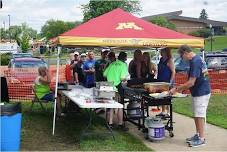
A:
<point x="199" y="105"/>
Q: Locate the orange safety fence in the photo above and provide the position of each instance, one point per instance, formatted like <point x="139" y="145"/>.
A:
<point x="20" y="80"/>
<point x="218" y="81"/>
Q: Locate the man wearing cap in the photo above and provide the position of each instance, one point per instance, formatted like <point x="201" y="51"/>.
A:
<point x="117" y="73"/>
<point x="79" y="74"/>
<point x="89" y="70"/>
<point x="199" y="85"/>
<point x="100" y="65"/>
<point x="73" y="66"/>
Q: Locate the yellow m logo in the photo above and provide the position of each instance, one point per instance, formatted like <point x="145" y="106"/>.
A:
<point x="129" y="25"/>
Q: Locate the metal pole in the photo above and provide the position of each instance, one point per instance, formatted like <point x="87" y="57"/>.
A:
<point x="211" y="42"/>
<point x="56" y="89"/>
<point x="9" y="30"/>
<point x="4" y="25"/>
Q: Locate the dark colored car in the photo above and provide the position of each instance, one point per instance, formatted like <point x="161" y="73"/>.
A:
<point x="26" y="62"/>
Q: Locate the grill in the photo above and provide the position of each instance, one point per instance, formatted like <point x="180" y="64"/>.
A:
<point x="142" y="97"/>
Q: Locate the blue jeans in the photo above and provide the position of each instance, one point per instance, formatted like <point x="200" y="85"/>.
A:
<point x="48" y="97"/>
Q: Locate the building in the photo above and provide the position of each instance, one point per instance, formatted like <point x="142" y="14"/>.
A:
<point x="8" y="47"/>
<point x="189" y="24"/>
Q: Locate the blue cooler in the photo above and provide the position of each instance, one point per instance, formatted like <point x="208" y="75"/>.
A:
<point x="10" y="127"/>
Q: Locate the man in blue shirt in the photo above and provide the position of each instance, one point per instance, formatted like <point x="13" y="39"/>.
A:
<point x="89" y="70"/>
<point x="199" y="85"/>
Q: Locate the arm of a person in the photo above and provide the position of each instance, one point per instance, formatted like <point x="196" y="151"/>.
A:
<point x="72" y="65"/>
<point x="124" y="73"/>
<point x="76" y="77"/>
<point x="106" y="71"/>
<point x="190" y="83"/>
<point x="193" y="75"/>
<point x="45" y="80"/>
<point x="130" y="68"/>
<point x="172" y="68"/>
<point x="85" y="68"/>
<point x="153" y="69"/>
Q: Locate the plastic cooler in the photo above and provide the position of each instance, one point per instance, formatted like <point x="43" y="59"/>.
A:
<point x="10" y="127"/>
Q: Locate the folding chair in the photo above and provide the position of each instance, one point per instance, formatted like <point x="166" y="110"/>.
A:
<point x="37" y="100"/>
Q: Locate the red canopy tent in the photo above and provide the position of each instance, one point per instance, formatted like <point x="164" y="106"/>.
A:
<point x="122" y="29"/>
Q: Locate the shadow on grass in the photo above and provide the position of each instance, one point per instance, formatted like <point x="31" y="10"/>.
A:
<point x="37" y="133"/>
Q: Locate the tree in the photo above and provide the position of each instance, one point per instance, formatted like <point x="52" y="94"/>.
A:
<point x="203" y="15"/>
<point x="162" y="21"/>
<point x="97" y="8"/>
<point x="4" y="34"/>
<point x="53" y="28"/>
<point x="24" y="42"/>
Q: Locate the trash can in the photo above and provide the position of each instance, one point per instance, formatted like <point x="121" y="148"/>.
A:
<point x="10" y="127"/>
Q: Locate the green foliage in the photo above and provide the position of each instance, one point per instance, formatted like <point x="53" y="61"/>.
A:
<point x="96" y="8"/>
<point x="162" y="21"/>
<point x="5" y="58"/>
<point x="53" y="28"/>
<point x="203" y="14"/>
<point x="24" y="43"/>
<point x="4" y="34"/>
<point x="16" y="32"/>
<point x="201" y="33"/>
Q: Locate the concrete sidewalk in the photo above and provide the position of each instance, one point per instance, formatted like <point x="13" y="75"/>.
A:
<point x="216" y="138"/>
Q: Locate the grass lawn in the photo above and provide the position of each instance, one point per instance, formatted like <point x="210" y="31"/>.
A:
<point x="217" y="109"/>
<point x="37" y="133"/>
<point x="219" y="43"/>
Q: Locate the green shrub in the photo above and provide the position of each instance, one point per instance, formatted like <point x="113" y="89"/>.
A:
<point x="205" y="33"/>
<point x="5" y="58"/>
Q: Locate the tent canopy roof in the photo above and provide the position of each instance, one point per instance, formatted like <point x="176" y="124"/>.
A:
<point x="120" y="28"/>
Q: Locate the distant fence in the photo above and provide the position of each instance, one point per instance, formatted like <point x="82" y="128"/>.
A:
<point x="20" y="80"/>
<point x="218" y="81"/>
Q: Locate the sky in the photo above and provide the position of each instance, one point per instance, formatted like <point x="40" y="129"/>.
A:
<point x="36" y="12"/>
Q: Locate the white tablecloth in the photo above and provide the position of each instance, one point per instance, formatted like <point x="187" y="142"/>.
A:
<point x="84" y="99"/>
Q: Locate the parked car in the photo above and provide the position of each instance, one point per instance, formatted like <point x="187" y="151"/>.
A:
<point x="18" y="75"/>
<point x="21" y="55"/>
<point x="26" y="62"/>
<point x="216" y="61"/>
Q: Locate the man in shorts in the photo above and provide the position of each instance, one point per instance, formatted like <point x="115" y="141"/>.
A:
<point x="199" y="86"/>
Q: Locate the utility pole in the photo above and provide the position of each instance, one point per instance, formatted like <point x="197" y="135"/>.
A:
<point x="4" y="25"/>
<point x="9" y="30"/>
<point x="211" y="38"/>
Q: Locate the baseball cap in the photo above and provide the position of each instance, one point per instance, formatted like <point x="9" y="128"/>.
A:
<point x="76" y="53"/>
<point x="105" y="50"/>
<point x="83" y="54"/>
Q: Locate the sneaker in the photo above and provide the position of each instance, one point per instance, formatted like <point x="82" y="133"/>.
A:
<point x="195" y="137"/>
<point x="123" y="128"/>
<point x="111" y="126"/>
<point x="196" y="143"/>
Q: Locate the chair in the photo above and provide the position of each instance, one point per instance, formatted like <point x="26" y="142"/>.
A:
<point x="37" y="100"/>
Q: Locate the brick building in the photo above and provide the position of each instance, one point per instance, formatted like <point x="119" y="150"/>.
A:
<point x="189" y="24"/>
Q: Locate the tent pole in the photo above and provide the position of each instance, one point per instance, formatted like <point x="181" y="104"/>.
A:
<point x="56" y="89"/>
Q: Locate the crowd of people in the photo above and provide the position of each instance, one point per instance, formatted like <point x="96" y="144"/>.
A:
<point x="86" y="71"/>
